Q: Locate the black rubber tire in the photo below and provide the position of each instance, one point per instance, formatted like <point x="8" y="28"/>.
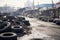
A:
<point x="21" y="18"/>
<point x="18" y="22"/>
<point x="45" y="20"/>
<point x="26" y="22"/>
<point x="5" y="19"/>
<point x="42" y="19"/>
<point x="8" y="36"/>
<point x="58" y="23"/>
<point x="50" y="20"/>
<point x="17" y="29"/>
<point x="54" y="21"/>
<point x="6" y="28"/>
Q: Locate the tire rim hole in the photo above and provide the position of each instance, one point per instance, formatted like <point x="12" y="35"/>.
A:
<point x="7" y="34"/>
<point x="16" y="27"/>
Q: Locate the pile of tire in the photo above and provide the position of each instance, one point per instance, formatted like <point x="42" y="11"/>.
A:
<point x="5" y="27"/>
<point x="10" y="24"/>
<point x="8" y="36"/>
<point x="17" y="29"/>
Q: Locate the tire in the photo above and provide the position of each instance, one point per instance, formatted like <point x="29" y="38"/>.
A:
<point x="58" y="23"/>
<point x="54" y="21"/>
<point x="5" y="28"/>
<point x="18" y="22"/>
<point x="17" y="29"/>
<point x="50" y="20"/>
<point x="26" y="23"/>
<point x="45" y="20"/>
<point x="42" y="19"/>
<point x="23" y="18"/>
<point x="20" y="18"/>
<point x="5" y="19"/>
<point x="8" y="36"/>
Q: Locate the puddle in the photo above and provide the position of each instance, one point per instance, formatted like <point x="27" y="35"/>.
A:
<point x="45" y="38"/>
<point x="48" y="38"/>
<point x="41" y="25"/>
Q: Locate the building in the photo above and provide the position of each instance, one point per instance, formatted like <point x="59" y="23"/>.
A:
<point x="19" y="11"/>
<point x="31" y="12"/>
<point x="51" y="11"/>
<point x="58" y="8"/>
<point x="6" y="10"/>
<point x="58" y="5"/>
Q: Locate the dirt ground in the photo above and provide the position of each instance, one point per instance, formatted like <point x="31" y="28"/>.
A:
<point x="42" y="30"/>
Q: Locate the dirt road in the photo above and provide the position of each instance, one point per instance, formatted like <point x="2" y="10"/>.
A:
<point x="42" y="30"/>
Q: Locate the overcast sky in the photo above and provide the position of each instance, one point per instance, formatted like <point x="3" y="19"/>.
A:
<point x="21" y="3"/>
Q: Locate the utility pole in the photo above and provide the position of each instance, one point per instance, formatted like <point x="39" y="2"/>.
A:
<point x="33" y="5"/>
<point x="56" y="10"/>
<point x="52" y="4"/>
<point x="38" y="8"/>
<point x="53" y="9"/>
<point x="56" y="15"/>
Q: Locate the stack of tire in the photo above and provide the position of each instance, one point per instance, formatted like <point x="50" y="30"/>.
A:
<point x="19" y="19"/>
<point x="17" y="29"/>
<point x="5" y="30"/>
<point x="9" y="31"/>
<point x="5" y="27"/>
